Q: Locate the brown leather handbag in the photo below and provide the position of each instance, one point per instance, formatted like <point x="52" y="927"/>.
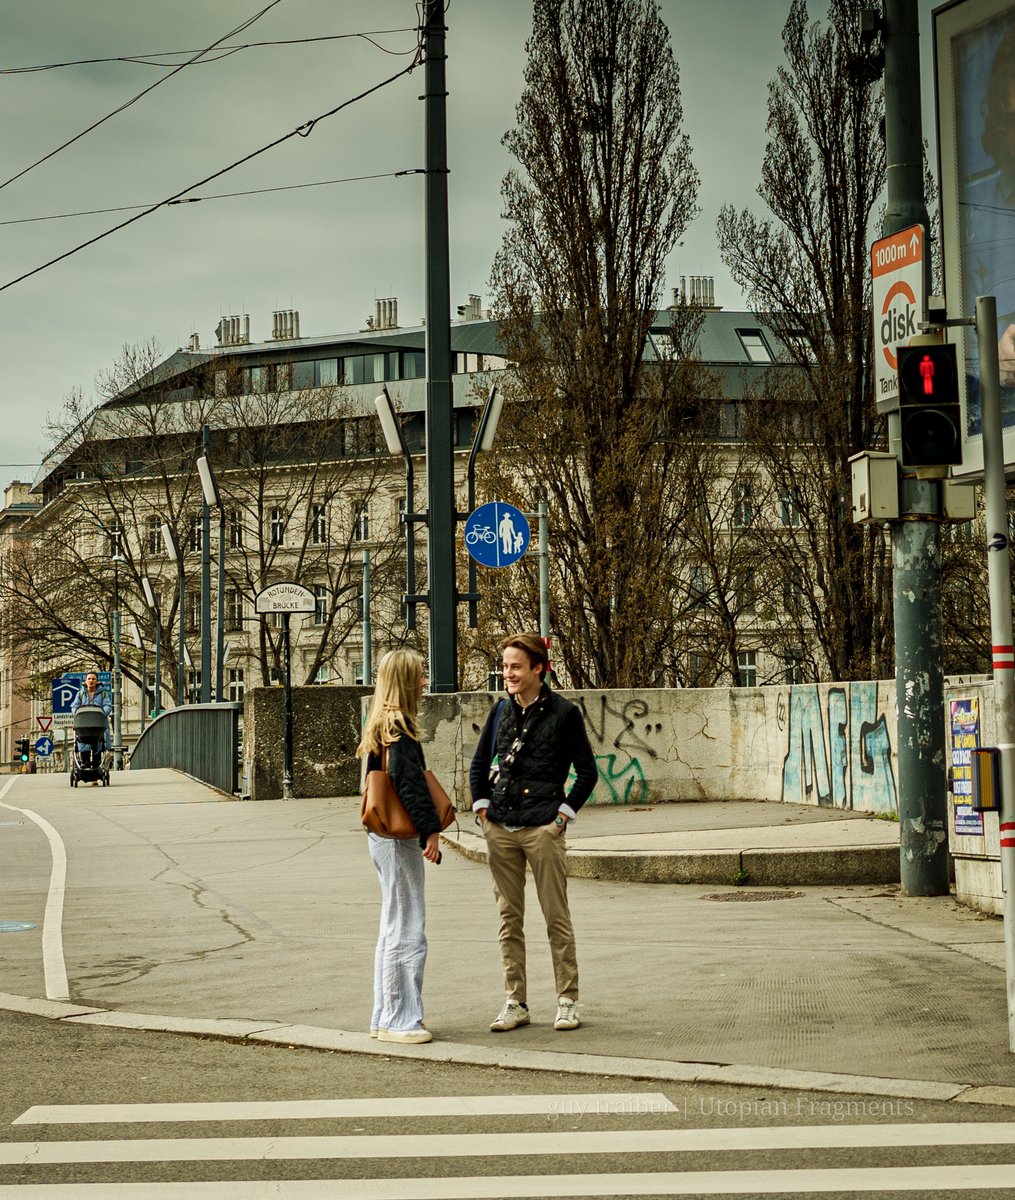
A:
<point x="382" y="812"/>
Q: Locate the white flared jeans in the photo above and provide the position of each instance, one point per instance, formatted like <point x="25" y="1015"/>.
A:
<point x="401" y="940"/>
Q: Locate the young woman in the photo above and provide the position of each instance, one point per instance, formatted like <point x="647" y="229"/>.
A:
<point x="391" y="741"/>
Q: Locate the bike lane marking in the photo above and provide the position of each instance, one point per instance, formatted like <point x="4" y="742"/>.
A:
<point x="53" y="965"/>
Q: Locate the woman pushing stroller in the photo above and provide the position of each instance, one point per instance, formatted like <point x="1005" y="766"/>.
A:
<point x="91" y="744"/>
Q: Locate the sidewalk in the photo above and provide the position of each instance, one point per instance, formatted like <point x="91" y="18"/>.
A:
<point x="187" y="911"/>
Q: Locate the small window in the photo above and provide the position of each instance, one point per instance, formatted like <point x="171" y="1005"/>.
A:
<point x="361" y="521"/>
<point x="195" y="534"/>
<point x="276" y="529"/>
<point x="236" y="529"/>
<point x="747" y="666"/>
<point x="743" y="504"/>
<point x="789" y="510"/>
<point x="236" y="684"/>
<point x="320" y="604"/>
<point x="193" y="605"/>
<point x="323" y="674"/>
<point x="326" y="372"/>
<point x="115" y="533"/>
<point x="746" y="596"/>
<point x="754" y="344"/>
<point x="234" y="609"/>
<point x="154" y="535"/>
<point x="318" y="524"/>
<point x="793" y="666"/>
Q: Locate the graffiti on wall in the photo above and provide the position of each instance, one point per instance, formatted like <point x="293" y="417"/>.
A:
<point x="620" y="736"/>
<point x="838" y="749"/>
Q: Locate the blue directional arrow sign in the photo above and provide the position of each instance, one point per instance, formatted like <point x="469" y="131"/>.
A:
<point x="496" y="534"/>
<point x="44" y="747"/>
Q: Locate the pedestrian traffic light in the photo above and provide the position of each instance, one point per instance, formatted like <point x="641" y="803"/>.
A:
<point x="23" y="754"/>
<point x="929" y="409"/>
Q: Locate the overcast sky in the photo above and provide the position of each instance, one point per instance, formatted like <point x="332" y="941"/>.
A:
<point x="327" y="251"/>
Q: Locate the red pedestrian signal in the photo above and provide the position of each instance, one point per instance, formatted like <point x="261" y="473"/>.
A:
<point x="929" y="410"/>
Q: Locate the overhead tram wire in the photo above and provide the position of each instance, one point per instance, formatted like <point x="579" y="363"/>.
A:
<point x="158" y="83"/>
<point x="303" y="130"/>
<point x="144" y="59"/>
<point x="282" y="187"/>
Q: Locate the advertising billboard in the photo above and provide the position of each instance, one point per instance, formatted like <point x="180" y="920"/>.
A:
<point x="974" y="60"/>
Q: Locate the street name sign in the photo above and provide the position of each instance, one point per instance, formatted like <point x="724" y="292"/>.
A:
<point x="496" y="534"/>
<point x="899" y="294"/>
<point x="285" y="598"/>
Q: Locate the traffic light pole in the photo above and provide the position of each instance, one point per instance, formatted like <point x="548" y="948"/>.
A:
<point x="999" y="584"/>
<point x="916" y="544"/>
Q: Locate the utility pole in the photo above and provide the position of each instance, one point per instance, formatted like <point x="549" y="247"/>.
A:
<point x="916" y="542"/>
<point x="205" y="582"/>
<point x="440" y="440"/>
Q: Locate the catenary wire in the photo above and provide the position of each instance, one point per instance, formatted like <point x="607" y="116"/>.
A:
<point x="284" y="187"/>
<point x="303" y="130"/>
<point x="165" y="78"/>
<point x="145" y="59"/>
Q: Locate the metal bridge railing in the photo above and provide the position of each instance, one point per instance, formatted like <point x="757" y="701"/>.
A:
<point x="202" y="740"/>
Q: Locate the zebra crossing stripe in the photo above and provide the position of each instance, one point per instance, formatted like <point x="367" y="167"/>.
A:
<point x="553" y="1107"/>
<point x="484" y="1145"/>
<point x="970" y="1177"/>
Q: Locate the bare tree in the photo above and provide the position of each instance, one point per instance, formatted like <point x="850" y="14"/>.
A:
<point x="805" y="267"/>
<point x="603" y="190"/>
<point x="297" y="472"/>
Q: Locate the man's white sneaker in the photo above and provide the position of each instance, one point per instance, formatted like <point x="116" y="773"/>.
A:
<point x="513" y="1014"/>
<point x="567" y="1014"/>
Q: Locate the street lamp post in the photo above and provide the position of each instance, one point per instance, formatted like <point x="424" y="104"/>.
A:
<point x="486" y="431"/>
<point x="213" y="498"/>
<point x="173" y="552"/>
<point x="139" y="642"/>
<point x="149" y="595"/>
<point x="117" y="682"/>
<point x="205" y="571"/>
<point x="395" y="441"/>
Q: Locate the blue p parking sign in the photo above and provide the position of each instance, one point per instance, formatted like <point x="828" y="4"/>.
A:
<point x="496" y="534"/>
<point x="66" y="687"/>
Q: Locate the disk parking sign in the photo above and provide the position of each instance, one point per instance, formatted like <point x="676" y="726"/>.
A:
<point x="899" y="294"/>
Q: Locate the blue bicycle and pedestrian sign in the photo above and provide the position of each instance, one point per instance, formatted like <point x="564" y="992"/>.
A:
<point x="496" y="534"/>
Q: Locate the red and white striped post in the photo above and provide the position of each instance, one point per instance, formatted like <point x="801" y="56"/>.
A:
<point x="1002" y="641"/>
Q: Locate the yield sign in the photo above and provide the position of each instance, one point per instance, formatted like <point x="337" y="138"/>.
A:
<point x="45" y="723"/>
<point x="899" y="293"/>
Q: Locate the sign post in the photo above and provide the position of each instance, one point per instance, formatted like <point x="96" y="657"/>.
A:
<point x="285" y="599"/>
<point x="899" y="293"/>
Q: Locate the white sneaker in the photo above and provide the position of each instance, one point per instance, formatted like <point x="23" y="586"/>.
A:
<point x="513" y="1014"/>
<point x="567" y="1014"/>
<point x="412" y="1037"/>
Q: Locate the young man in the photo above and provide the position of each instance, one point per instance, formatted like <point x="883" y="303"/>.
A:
<point x="531" y="740"/>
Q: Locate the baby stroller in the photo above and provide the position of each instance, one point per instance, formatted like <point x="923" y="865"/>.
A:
<point x="91" y="763"/>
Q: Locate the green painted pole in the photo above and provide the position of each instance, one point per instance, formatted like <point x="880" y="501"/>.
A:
<point x="440" y="442"/>
<point x="916" y="543"/>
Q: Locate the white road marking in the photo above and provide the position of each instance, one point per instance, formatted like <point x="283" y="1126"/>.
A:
<point x="53" y="965"/>
<point x="563" y="1106"/>
<point x="974" y="1177"/>
<point x="482" y="1145"/>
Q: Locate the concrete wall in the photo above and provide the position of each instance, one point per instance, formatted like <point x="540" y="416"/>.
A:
<point x="326" y="729"/>
<point x="828" y="744"/>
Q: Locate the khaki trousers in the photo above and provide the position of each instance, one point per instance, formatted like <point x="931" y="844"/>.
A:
<point x="543" y="848"/>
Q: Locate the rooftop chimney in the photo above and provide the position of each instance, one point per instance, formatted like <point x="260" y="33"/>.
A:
<point x="233" y="331"/>
<point x="285" y="325"/>
<point x="386" y="313"/>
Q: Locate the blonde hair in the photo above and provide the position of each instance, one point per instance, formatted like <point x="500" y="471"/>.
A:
<point x="395" y="702"/>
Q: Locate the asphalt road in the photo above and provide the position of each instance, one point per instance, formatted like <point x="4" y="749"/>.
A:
<point x="293" y="1123"/>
